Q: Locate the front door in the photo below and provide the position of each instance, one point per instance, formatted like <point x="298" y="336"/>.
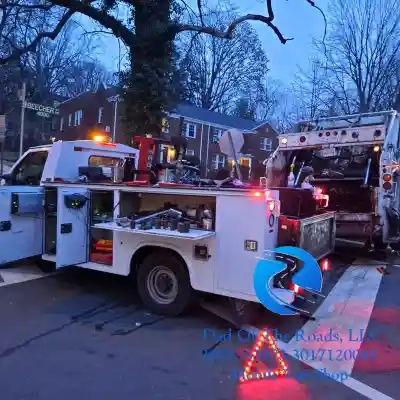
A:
<point x="245" y="167"/>
<point x="166" y="153"/>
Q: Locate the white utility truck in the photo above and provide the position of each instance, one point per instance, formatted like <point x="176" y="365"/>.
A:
<point x="78" y="203"/>
<point x="355" y="161"/>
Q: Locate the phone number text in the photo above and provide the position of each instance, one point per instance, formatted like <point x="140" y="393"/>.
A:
<point x="333" y="355"/>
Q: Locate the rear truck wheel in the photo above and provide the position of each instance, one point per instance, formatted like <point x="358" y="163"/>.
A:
<point x="164" y="284"/>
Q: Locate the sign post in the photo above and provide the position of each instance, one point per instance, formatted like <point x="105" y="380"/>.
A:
<point x="41" y="111"/>
<point x="3" y="129"/>
<point x="21" y="137"/>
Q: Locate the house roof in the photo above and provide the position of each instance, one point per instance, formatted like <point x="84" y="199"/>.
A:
<point x="212" y="117"/>
<point x="197" y="113"/>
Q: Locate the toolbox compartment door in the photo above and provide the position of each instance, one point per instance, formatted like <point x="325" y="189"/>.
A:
<point x="21" y="222"/>
<point x="72" y="227"/>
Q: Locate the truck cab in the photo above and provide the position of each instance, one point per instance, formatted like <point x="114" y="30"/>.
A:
<point x="28" y="169"/>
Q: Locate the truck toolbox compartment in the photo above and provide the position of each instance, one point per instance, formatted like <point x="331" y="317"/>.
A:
<point x="314" y="234"/>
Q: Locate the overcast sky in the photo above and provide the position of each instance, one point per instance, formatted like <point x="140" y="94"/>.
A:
<point x="295" y="18"/>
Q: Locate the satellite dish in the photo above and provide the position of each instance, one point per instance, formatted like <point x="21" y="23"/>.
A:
<point x="231" y="147"/>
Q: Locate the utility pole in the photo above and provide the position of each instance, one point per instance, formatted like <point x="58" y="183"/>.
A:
<point x="114" y="99"/>
<point x="2" y="139"/>
<point x="115" y="119"/>
<point x="21" y="138"/>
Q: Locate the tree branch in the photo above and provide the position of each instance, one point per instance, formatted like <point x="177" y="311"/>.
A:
<point x="117" y="27"/>
<point x="228" y="34"/>
<point x="17" y="53"/>
<point x="312" y="4"/>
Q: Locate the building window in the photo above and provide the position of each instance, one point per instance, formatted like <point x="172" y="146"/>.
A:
<point x="245" y="162"/>
<point x="189" y="130"/>
<point x="61" y="123"/>
<point x="217" y="133"/>
<point x="218" y="161"/>
<point x="77" y="118"/>
<point x="266" y="144"/>
<point x="189" y="152"/>
<point x="100" y="116"/>
<point x="69" y="119"/>
<point x="164" y="125"/>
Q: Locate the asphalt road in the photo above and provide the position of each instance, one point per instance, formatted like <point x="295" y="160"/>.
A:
<point x="83" y="334"/>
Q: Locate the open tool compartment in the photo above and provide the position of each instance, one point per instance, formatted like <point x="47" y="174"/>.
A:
<point x="101" y="240"/>
<point x="198" y="212"/>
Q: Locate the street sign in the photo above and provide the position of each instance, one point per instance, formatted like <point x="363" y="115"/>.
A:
<point x="41" y="110"/>
<point x="3" y="127"/>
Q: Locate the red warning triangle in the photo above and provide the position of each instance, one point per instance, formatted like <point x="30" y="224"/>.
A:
<point x="251" y="363"/>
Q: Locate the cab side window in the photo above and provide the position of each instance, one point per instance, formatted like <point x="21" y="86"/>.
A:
<point x="29" y="170"/>
<point x="100" y="161"/>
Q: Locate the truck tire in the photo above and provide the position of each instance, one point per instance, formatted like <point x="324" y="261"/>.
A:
<point x="163" y="284"/>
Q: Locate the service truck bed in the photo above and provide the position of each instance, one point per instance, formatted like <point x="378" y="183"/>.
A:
<point x="315" y="234"/>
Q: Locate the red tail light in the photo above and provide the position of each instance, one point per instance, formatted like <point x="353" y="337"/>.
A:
<point x="257" y="194"/>
<point x="325" y="265"/>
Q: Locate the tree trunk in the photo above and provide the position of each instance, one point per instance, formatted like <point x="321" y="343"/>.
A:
<point x="149" y="87"/>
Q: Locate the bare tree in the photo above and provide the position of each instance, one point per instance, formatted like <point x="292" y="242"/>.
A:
<point x="62" y="66"/>
<point x="86" y="76"/>
<point x="56" y="65"/>
<point x="362" y="53"/>
<point x="218" y="71"/>
<point x="244" y="109"/>
<point x="310" y="90"/>
<point x="149" y="36"/>
<point x="270" y="94"/>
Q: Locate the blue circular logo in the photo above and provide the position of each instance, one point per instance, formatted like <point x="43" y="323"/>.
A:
<point x="279" y="300"/>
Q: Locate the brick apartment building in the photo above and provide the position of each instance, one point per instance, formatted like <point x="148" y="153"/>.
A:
<point x="100" y="111"/>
